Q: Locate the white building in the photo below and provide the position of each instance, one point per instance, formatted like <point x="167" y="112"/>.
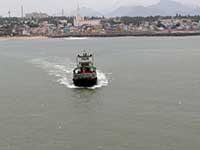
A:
<point x="79" y="20"/>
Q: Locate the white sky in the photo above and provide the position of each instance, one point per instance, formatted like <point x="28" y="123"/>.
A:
<point x="55" y="6"/>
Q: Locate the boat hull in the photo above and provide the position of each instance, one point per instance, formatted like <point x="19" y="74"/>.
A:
<point x="85" y="82"/>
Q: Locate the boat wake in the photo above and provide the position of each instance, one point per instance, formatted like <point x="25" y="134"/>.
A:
<point x="62" y="72"/>
<point x="76" y="38"/>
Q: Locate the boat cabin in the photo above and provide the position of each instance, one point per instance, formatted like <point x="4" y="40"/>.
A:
<point x="85" y="60"/>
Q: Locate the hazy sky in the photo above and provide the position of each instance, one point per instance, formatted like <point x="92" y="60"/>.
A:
<point x="55" y="6"/>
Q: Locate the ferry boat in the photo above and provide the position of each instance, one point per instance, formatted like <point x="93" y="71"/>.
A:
<point x="85" y="75"/>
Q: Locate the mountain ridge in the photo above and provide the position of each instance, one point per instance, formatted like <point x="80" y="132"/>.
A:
<point x="163" y="7"/>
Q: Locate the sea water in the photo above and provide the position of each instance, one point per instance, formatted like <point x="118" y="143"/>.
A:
<point x="147" y="97"/>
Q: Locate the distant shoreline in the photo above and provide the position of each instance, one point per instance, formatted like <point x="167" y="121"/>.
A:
<point x="148" y="34"/>
<point x="157" y="34"/>
<point x="4" y="38"/>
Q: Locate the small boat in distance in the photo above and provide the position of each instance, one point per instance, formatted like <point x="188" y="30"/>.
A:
<point x="85" y="75"/>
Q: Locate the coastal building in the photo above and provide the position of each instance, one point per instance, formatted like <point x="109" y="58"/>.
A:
<point x="79" y="20"/>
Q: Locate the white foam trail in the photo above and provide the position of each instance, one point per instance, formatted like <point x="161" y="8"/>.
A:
<point x="76" y="38"/>
<point x="63" y="73"/>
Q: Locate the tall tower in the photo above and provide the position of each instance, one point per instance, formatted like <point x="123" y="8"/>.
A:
<point x="22" y="11"/>
<point x="9" y="13"/>
<point x="78" y="10"/>
<point x="78" y="19"/>
<point x="63" y="13"/>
